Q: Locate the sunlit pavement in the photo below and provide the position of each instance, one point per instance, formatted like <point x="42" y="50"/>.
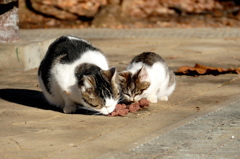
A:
<point x="200" y="120"/>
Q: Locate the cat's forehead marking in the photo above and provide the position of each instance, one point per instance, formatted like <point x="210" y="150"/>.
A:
<point x="130" y="84"/>
<point x="87" y="84"/>
<point x="129" y="91"/>
<point x="103" y="86"/>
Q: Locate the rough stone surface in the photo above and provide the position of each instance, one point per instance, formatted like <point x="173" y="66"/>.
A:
<point x="134" y="8"/>
<point x="9" y="30"/>
<point x="205" y="137"/>
<point x="148" y="8"/>
<point x="129" y="13"/>
<point x="70" y="9"/>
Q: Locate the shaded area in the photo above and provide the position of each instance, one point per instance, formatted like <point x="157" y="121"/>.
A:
<point x="4" y="7"/>
<point x="33" y="98"/>
<point x="30" y="98"/>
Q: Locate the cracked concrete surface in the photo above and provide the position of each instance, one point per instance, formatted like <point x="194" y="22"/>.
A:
<point x="30" y="129"/>
<point x="212" y="138"/>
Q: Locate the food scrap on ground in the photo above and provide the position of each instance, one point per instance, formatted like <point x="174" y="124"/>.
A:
<point x="199" y="69"/>
<point x="123" y="109"/>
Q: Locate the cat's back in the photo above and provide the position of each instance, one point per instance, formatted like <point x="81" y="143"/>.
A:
<point x="148" y="58"/>
<point x="66" y="50"/>
<point x="69" y="48"/>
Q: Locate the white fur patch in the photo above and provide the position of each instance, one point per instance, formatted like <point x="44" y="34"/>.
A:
<point x="86" y="82"/>
<point x="134" y="67"/>
<point x="109" y="107"/>
<point x="64" y="73"/>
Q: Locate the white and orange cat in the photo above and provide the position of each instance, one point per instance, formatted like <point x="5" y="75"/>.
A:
<point x="147" y="76"/>
<point x="75" y="74"/>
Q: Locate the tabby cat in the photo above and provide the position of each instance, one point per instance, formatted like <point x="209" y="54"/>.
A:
<point x="75" y="74"/>
<point x="147" y="76"/>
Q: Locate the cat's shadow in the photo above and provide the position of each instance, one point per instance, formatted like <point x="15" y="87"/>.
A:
<point x="33" y="98"/>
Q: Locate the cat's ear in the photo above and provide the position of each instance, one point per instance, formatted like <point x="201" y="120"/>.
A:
<point x="144" y="85"/>
<point x="121" y="79"/>
<point x="142" y="74"/>
<point x="109" y="74"/>
<point x="124" y="76"/>
<point x="87" y="82"/>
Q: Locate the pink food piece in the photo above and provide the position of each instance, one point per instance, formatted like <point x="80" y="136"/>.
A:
<point x="123" y="109"/>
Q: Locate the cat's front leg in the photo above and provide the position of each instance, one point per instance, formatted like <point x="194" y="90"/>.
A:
<point x="164" y="98"/>
<point x="70" y="106"/>
<point x="152" y="98"/>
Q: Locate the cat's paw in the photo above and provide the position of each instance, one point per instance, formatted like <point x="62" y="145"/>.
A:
<point x="69" y="109"/>
<point x="164" y="98"/>
<point x="152" y="99"/>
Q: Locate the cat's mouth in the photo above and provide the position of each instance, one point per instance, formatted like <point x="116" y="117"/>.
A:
<point x="126" y="102"/>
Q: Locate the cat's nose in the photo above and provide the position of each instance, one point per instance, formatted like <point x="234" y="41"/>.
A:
<point x="131" y="100"/>
<point x="135" y="101"/>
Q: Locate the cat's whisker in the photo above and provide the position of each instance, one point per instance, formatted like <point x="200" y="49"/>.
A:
<point x="120" y="100"/>
<point x="89" y="110"/>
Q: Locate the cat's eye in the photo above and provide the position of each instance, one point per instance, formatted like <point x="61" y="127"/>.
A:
<point x="138" y="93"/>
<point x="127" y="94"/>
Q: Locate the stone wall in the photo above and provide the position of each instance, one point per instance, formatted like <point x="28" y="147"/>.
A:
<point x="68" y="9"/>
<point x="114" y="13"/>
<point x="9" y="21"/>
<point x="73" y="9"/>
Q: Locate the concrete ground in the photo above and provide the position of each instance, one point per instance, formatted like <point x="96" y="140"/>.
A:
<point x="200" y="120"/>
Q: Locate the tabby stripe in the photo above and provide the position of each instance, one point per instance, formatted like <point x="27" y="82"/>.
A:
<point x="103" y="86"/>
